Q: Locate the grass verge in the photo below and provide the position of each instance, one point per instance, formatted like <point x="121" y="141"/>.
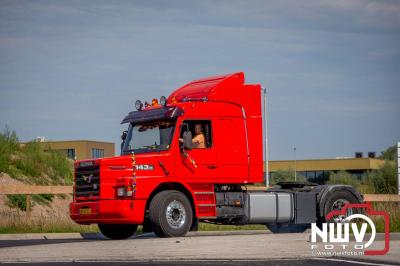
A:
<point x="19" y="222"/>
<point x="393" y="209"/>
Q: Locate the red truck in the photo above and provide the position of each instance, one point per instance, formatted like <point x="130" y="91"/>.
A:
<point x="189" y="158"/>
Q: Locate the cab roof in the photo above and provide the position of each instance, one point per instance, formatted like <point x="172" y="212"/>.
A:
<point x="224" y="88"/>
<point x="211" y="88"/>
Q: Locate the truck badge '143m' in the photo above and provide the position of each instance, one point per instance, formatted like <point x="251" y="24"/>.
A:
<point x="145" y="167"/>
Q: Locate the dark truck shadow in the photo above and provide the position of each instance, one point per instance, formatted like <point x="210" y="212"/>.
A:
<point x="92" y="237"/>
<point x="86" y="237"/>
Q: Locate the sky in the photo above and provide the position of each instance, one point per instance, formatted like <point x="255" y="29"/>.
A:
<point x="73" y="69"/>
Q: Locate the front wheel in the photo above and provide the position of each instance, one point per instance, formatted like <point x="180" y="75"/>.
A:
<point x="170" y="214"/>
<point x="117" y="231"/>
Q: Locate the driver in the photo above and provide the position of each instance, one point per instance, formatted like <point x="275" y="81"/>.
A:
<point x="199" y="139"/>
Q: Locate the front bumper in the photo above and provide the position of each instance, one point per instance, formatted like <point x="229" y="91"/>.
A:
<point x="108" y="211"/>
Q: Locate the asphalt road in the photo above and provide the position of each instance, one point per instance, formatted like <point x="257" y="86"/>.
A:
<point x="200" y="248"/>
<point x="281" y="262"/>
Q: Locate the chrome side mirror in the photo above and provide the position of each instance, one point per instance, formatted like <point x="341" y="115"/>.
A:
<point x="124" y="134"/>
<point x="123" y="137"/>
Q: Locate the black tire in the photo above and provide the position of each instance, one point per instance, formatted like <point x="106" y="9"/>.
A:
<point x="117" y="231"/>
<point x="195" y="225"/>
<point x="176" y="206"/>
<point x="287" y="228"/>
<point x="146" y="228"/>
<point x="337" y="200"/>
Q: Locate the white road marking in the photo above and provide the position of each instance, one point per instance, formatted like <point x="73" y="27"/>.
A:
<point x="352" y="261"/>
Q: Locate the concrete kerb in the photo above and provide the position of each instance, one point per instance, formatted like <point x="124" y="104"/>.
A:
<point x="53" y="236"/>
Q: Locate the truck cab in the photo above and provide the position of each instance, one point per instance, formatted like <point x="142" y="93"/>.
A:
<point x="167" y="180"/>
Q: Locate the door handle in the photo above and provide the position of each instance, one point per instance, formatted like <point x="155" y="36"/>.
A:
<point x="163" y="168"/>
<point x="212" y="166"/>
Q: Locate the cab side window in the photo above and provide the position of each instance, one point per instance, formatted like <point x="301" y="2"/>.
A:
<point x="201" y="133"/>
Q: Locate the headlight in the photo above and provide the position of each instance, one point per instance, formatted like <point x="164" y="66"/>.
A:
<point x="124" y="192"/>
<point x="121" y="191"/>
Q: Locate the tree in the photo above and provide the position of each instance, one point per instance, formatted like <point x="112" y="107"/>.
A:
<point x="283" y="175"/>
<point x="344" y="178"/>
<point x="8" y="146"/>
<point x="389" y="154"/>
<point x="384" y="179"/>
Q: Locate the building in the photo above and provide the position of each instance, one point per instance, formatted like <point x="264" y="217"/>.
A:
<point x="318" y="170"/>
<point x="82" y="149"/>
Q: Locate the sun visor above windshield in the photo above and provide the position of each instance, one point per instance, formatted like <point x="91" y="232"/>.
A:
<point x="153" y="114"/>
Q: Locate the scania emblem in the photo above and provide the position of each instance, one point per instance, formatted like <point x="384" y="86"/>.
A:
<point x="88" y="179"/>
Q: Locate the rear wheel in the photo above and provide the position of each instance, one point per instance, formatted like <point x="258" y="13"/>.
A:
<point x="117" y="231"/>
<point x="336" y="202"/>
<point x="170" y="214"/>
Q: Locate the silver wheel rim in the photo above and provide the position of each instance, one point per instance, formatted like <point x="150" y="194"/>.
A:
<point x="176" y="214"/>
<point x="337" y="206"/>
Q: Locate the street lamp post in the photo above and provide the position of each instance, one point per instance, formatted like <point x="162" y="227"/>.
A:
<point x="265" y="121"/>
<point x="295" y="162"/>
<point x="398" y="167"/>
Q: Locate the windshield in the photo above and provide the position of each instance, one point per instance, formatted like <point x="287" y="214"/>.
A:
<point x="149" y="136"/>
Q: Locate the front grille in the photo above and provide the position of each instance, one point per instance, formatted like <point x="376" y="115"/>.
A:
<point x="87" y="181"/>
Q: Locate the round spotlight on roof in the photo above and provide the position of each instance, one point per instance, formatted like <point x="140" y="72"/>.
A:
<point x="163" y="100"/>
<point x="138" y="105"/>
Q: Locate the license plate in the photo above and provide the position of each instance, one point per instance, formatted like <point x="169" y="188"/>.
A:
<point x="85" y="211"/>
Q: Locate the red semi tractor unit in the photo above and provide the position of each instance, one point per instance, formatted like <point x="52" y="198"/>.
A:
<point x="163" y="182"/>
